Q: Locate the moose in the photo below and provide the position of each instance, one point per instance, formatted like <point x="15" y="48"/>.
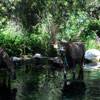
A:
<point x="72" y="53"/>
<point x="6" y="62"/>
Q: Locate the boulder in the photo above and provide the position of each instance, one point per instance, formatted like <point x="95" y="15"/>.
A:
<point x="16" y="59"/>
<point x="92" y="55"/>
<point x="37" y="56"/>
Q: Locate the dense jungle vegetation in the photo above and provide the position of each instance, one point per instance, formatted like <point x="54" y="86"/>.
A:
<point x="28" y="26"/>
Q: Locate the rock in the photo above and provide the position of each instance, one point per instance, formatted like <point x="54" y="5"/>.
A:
<point x="16" y="59"/>
<point x="92" y="55"/>
<point x="37" y="55"/>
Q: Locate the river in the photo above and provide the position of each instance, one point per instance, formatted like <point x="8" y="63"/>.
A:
<point x="47" y="83"/>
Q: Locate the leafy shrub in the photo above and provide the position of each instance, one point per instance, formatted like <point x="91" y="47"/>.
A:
<point x="39" y="44"/>
<point x="92" y="44"/>
<point x="16" y="41"/>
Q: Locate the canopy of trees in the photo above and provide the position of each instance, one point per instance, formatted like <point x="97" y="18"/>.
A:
<point x="30" y="24"/>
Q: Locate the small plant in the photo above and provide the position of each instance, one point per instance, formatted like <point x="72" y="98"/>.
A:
<point x="91" y="44"/>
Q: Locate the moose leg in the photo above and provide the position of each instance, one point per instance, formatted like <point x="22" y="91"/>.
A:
<point x="27" y="68"/>
<point x="73" y="70"/>
<point x="9" y="80"/>
<point x="64" y="73"/>
<point x="4" y="78"/>
<point x="81" y="71"/>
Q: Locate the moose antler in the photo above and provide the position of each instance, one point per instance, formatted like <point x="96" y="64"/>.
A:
<point x="53" y="33"/>
<point x="80" y="32"/>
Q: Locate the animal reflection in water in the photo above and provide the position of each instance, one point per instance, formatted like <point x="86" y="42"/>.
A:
<point x="72" y="53"/>
<point x="6" y="93"/>
<point x="76" y="89"/>
<point x="6" y="64"/>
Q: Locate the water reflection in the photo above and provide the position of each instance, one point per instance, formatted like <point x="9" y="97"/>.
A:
<point x="6" y="93"/>
<point x="75" y="90"/>
<point x="40" y="84"/>
<point x="47" y="83"/>
<point x="92" y="66"/>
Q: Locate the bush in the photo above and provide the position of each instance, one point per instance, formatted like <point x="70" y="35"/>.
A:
<point x="39" y="44"/>
<point x="17" y="42"/>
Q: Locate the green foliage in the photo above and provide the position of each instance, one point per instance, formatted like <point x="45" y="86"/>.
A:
<point x="91" y="44"/>
<point x="17" y="42"/>
<point x="39" y="44"/>
<point x="26" y="26"/>
<point x="91" y="32"/>
<point x="75" y="23"/>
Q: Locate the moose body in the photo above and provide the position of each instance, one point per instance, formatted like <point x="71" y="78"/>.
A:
<point x="6" y="63"/>
<point x="74" y="52"/>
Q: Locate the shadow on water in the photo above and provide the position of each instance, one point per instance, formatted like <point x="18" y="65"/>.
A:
<point x="6" y="93"/>
<point x="76" y="89"/>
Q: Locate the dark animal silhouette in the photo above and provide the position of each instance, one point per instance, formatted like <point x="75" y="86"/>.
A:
<point x="75" y="89"/>
<point x="7" y="93"/>
<point x="6" y="63"/>
<point x="72" y="53"/>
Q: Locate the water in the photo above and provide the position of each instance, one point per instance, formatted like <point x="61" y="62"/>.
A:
<point x="47" y="83"/>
